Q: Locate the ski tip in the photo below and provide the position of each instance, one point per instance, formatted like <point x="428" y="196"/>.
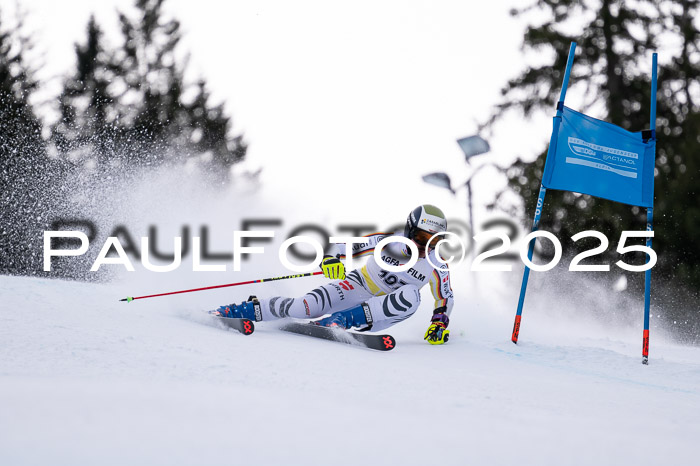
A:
<point x="389" y="342"/>
<point x="127" y="299"/>
<point x="248" y="327"/>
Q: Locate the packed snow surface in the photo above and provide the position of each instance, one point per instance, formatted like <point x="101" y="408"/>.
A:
<point x="85" y="379"/>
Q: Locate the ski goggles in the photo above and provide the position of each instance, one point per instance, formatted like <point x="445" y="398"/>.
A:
<point x="423" y="239"/>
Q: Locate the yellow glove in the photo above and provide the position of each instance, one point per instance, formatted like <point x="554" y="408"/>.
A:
<point x="333" y="268"/>
<point x="437" y="333"/>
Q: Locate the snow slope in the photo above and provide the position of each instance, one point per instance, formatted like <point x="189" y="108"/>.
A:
<point x="85" y="379"/>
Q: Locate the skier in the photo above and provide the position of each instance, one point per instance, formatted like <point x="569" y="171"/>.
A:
<point x="370" y="298"/>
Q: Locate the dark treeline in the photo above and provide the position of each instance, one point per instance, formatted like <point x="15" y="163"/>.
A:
<point x="612" y="70"/>
<point x="124" y="109"/>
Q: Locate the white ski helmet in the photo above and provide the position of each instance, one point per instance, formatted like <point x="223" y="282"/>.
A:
<point x="427" y="218"/>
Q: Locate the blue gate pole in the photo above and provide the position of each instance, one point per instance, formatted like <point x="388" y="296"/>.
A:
<point x="647" y="293"/>
<point x="543" y="191"/>
<point x="650" y="220"/>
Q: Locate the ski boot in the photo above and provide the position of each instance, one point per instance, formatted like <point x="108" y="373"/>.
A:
<point x="246" y="310"/>
<point x="358" y="316"/>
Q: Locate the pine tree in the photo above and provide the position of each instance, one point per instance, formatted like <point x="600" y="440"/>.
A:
<point x="677" y="185"/>
<point x="612" y="67"/>
<point x="129" y="108"/>
<point x="158" y="122"/>
<point x="86" y="131"/>
<point x="24" y="168"/>
<point x="208" y="132"/>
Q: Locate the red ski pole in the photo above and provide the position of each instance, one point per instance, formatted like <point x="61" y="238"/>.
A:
<point x="129" y="298"/>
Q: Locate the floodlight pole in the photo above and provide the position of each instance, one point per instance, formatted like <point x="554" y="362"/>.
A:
<point x="443" y="180"/>
<point x="469" y="206"/>
<point x="468" y="185"/>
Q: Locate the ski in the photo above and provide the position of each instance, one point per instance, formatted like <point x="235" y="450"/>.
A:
<point x="245" y="326"/>
<point x="371" y="341"/>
